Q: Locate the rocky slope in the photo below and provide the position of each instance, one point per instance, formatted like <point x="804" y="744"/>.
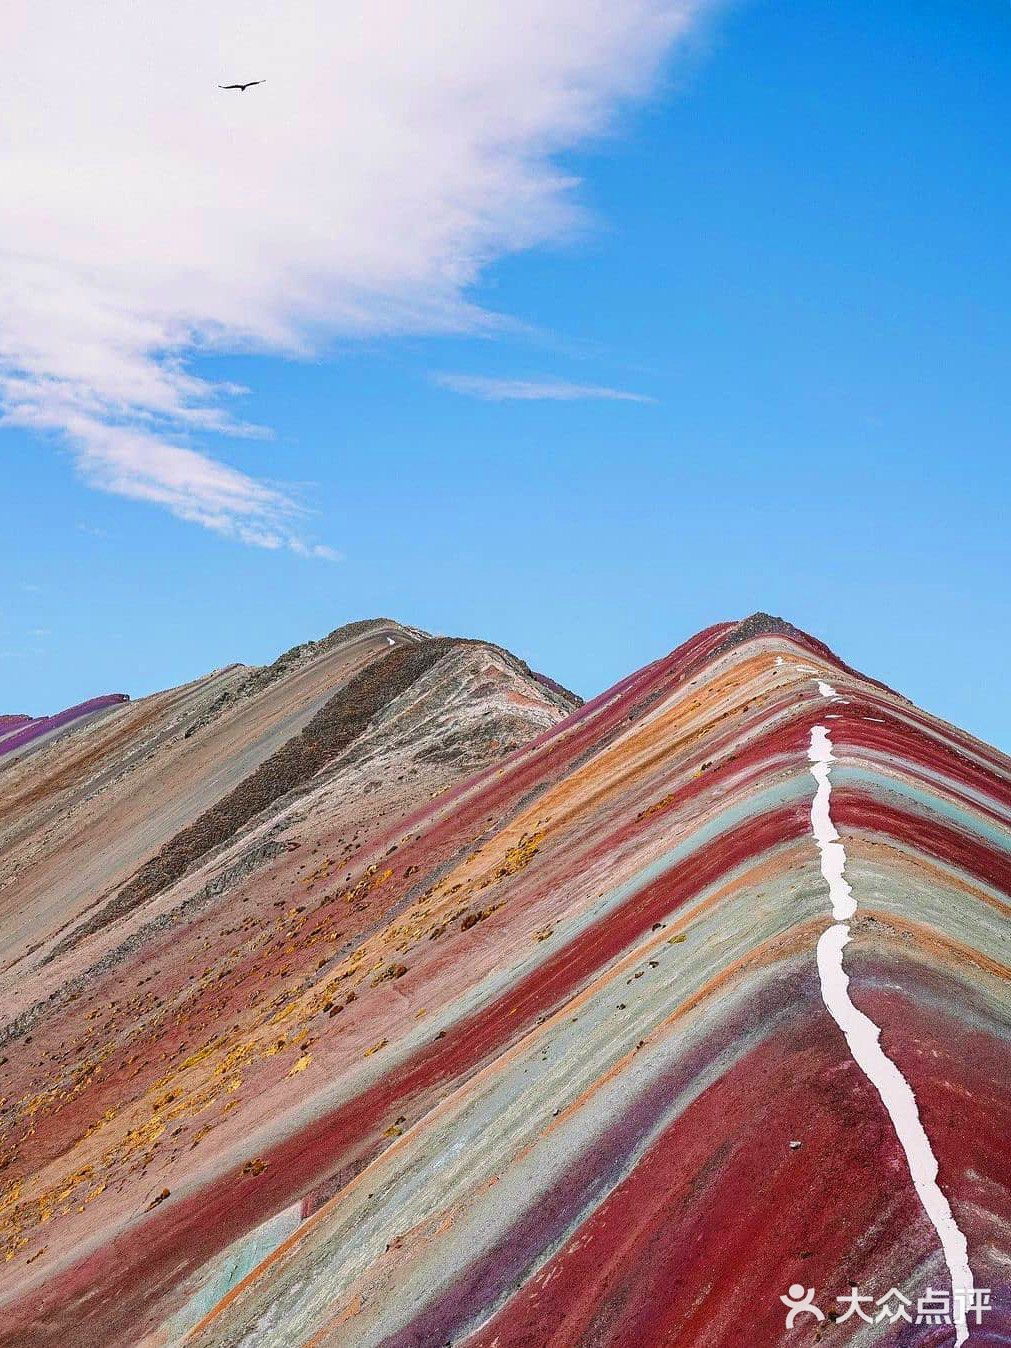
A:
<point x="389" y="998"/>
<point x="18" y="734"/>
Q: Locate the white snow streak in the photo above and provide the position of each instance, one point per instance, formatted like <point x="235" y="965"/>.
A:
<point x="862" y="1035"/>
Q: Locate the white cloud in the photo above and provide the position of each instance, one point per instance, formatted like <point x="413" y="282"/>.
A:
<point x="146" y="216"/>
<point x="534" y="390"/>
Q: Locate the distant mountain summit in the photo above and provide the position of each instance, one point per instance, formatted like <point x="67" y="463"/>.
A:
<point x="18" y="733"/>
<point x="387" y="995"/>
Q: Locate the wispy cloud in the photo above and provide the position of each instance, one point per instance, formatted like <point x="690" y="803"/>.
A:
<point x="534" y="390"/>
<point x="394" y="151"/>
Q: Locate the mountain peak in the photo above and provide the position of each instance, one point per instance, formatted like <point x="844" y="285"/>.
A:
<point x="404" y="966"/>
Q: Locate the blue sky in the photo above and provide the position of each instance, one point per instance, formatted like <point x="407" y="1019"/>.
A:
<point x="793" y="245"/>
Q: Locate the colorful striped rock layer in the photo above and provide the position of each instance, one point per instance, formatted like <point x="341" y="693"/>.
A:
<point x="385" y="997"/>
<point x="18" y="733"/>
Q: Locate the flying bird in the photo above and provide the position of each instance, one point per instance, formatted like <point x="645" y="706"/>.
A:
<point x="242" y="87"/>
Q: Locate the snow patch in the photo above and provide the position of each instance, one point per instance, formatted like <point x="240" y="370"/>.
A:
<point x="863" y="1038"/>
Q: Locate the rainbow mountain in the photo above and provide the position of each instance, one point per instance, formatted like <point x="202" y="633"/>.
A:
<point x="388" y="995"/>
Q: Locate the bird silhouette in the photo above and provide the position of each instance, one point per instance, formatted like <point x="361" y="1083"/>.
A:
<point x="242" y="87"/>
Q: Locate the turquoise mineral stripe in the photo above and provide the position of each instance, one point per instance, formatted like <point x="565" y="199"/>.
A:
<point x="927" y="801"/>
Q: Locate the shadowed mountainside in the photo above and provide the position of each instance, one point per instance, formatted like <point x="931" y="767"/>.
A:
<point x="387" y="997"/>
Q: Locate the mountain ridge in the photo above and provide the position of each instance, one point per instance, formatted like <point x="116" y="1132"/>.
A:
<point x="398" y="1061"/>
